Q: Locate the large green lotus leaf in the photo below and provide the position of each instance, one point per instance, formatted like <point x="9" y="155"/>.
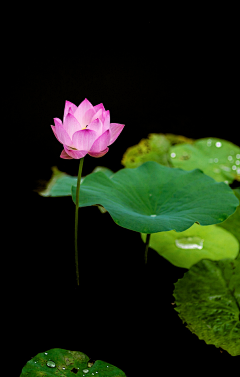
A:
<point x="218" y="158"/>
<point x="155" y="148"/>
<point x="61" y="362"/>
<point x="232" y="224"/>
<point x="208" y="300"/>
<point x="154" y="198"/>
<point x="198" y="242"/>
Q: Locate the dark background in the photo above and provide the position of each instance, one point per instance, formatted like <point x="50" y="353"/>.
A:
<point x="153" y="81"/>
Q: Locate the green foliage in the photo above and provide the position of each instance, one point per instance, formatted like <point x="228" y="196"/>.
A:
<point x="169" y="184"/>
<point x="60" y="362"/>
<point x="174" y="200"/>
<point x="208" y="300"/>
<point x="217" y="158"/>
<point x="155" y="148"/>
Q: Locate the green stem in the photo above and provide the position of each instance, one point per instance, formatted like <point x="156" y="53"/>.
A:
<point x="76" y="216"/>
<point x="146" y="248"/>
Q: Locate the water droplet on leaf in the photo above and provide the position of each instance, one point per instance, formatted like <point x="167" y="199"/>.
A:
<point x="189" y="243"/>
<point x="85" y="370"/>
<point x="173" y="155"/>
<point x="51" y="364"/>
<point x="218" y="144"/>
<point x="153" y="215"/>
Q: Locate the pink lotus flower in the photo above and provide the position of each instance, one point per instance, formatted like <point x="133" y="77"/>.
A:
<point x="85" y="129"/>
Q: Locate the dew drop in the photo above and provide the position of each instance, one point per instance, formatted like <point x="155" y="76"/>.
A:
<point x="85" y="370"/>
<point x="173" y="155"/>
<point x="64" y="368"/>
<point x="234" y="167"/>
<point x="215" y="160"/>
<point x="238" y="171"/>
<point x="45" y="353"/>
<point x="209" y="142"/>
<point x="51" y="364"/>
<point x="237" y="162"/>
<point x="230" y="158"/>
<point x="189" y="243"/>
<point x="218" y="144"/>
<point x="153" y="215"/>
<point x="238" y="155"/>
